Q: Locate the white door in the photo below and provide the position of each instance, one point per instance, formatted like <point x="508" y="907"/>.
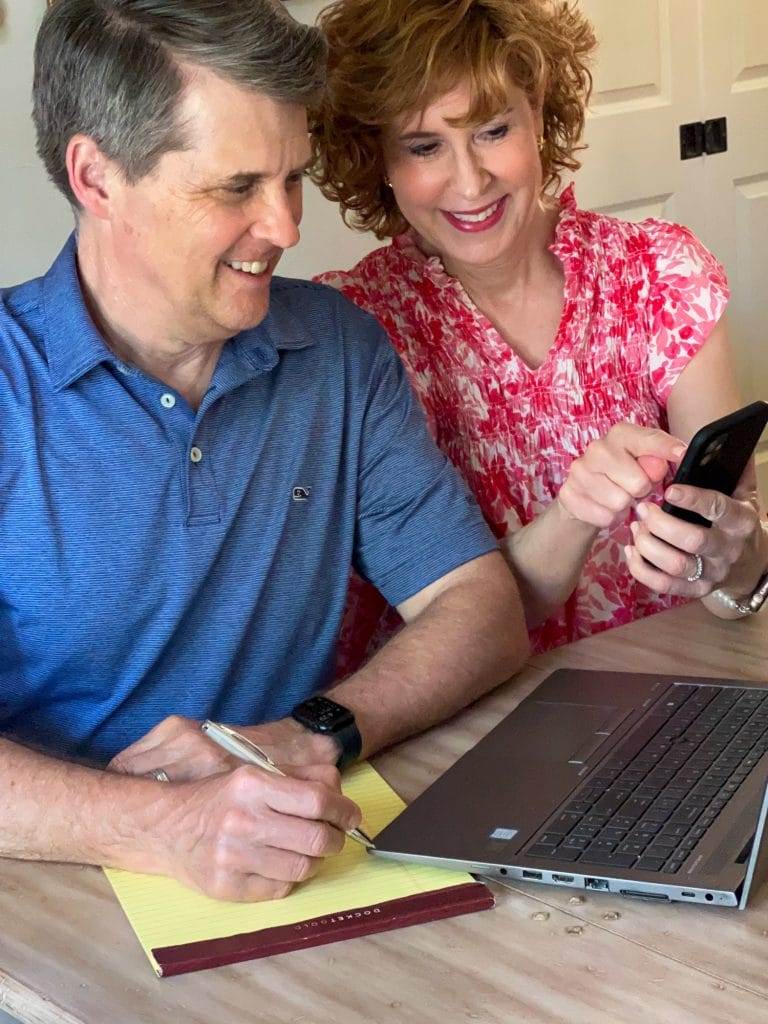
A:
<point x="646" y="84"/>
<point x="735" y="86"/>
<point x="663" y="63"/>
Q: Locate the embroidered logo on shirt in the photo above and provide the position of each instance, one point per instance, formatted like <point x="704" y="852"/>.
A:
<point x="301" y="493"/>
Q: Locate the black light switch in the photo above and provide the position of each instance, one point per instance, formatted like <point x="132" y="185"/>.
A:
<point x="691" y="140"/>
<point x="716" y="135"/>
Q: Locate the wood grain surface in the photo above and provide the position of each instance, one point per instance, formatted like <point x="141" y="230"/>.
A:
<point x="544" y="955"/>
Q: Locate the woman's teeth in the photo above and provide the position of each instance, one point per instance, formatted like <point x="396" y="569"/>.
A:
<point x="249" y="268"/>
<point x="477" y="218"/>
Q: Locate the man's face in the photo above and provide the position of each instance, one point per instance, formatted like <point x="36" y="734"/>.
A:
<point x="198" y="239"/>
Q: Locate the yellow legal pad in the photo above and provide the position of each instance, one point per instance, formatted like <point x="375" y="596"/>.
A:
<point x="181" y="930"/>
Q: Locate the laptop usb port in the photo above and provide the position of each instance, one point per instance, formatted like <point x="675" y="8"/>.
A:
<point x="562" y="878"/>
<point x="531" y="874"/>
<point x="596" y="883"/>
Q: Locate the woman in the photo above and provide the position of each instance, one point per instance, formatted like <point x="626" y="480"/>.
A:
<point x="562" y="357"/>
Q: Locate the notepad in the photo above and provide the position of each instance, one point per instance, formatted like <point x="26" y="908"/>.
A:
<point x="352" y="894"/>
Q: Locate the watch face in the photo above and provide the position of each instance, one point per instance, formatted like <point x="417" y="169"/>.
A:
<point x="323" y="715"/>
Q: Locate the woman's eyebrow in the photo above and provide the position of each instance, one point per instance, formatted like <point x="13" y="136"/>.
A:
<point x="416" y="134"/>
<point x="410" y="136"/>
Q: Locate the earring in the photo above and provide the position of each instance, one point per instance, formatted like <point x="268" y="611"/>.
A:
<point x="388" y="183"/>
<point x="540" y="140"/>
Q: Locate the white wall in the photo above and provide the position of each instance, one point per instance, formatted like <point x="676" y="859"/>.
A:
<point x="34" y="219"/>
<point x="326" y="242"/>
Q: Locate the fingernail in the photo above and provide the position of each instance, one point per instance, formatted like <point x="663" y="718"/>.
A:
<point x="627" y="551"/>
<point x="674" y="494"/>
<point x="679" y="451"/>
<point x="642" y="511"/>
<point x="633" y="528"/>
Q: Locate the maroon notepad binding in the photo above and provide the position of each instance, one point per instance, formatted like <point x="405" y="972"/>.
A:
<point x="380" y="917"/>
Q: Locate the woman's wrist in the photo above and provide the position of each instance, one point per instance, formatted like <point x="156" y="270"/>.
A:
<point x="558" y="509"/>
<point x="731" y="600"/>
<point x="746" y="573"/>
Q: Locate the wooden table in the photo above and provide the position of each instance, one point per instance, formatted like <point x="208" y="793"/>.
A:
<point x="544" y="955"/>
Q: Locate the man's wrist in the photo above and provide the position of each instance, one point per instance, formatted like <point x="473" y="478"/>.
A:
<point x="136" y="836"/>
<point x="321" y="748"/>
<point x="323" y="715"/>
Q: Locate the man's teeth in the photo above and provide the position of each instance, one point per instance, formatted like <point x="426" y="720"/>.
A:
<point x="250" y="268"/>
<point x="477" y="218"/>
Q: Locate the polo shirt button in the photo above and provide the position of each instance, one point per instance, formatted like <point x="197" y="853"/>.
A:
<point x="196" y="455"/>
<point x="167" y="401"/>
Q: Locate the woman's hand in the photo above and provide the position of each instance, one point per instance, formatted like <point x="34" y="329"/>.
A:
<point x="665" y="549"/>
<point x="616" y="471"/>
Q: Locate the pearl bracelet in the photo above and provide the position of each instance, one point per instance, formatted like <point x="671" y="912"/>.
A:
<point x="747" y="605"/>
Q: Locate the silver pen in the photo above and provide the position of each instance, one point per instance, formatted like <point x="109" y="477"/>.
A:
<point x="240" y="746"/>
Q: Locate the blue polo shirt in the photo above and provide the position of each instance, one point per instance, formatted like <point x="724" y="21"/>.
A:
<point x="156" y="560"/>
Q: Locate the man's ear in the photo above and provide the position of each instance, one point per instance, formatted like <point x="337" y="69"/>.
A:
<point x="92" y="175"/>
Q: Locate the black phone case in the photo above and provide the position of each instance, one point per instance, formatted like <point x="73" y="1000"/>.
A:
<point x="718" y="455"/>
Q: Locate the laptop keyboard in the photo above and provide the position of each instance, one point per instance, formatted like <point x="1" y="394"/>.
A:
<point x="648" y="805"/>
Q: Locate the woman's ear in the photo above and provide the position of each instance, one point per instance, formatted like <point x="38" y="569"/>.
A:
<point x="537" y="109"/>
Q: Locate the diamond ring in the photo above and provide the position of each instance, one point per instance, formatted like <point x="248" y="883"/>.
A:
<point x="699" y="571"/>
<point x="160" y="774"/>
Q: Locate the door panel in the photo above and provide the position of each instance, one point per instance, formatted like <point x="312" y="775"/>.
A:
<point x="646" y="84"/>
<point x="735" y="85"/>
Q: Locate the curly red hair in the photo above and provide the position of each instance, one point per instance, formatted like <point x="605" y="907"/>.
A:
<point x="391" y="58"/>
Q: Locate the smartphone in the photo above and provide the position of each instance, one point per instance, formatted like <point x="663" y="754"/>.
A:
<point x="718" y="455"/>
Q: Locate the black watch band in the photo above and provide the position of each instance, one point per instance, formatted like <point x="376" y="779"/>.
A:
<point x="324" y="716"/>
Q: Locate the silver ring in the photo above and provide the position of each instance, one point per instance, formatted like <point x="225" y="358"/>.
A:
<point x="699" y="570"/>
<point x="160" y="774"/>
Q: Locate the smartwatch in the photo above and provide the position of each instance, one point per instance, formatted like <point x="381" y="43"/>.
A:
<point x="323" y="715"/>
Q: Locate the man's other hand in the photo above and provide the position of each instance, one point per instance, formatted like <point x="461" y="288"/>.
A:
<point x="181" y="749"/>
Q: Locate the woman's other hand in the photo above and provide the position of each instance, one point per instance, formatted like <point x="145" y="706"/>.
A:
<point x="666" y="550"/>
<point x="616" y="471"/>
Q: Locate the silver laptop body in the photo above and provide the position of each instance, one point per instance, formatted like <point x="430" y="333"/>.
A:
<point x="649" y="786"/>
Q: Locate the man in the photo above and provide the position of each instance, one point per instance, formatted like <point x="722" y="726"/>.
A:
<point x="193" y="455"/>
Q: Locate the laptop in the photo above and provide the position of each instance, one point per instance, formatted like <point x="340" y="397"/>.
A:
<point x="648" y="786"/>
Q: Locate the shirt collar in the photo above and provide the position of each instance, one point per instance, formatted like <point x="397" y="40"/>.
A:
<point x="74" y="345"/>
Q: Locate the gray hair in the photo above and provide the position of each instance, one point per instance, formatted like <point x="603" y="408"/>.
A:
<point x="110" y="69"/>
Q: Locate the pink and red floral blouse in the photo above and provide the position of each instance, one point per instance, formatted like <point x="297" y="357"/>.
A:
<point x="640" y="300"/>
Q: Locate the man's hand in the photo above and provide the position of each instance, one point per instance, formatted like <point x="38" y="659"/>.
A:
<point x="248" y="835"/>
<point x="617" y="470"/>
<point x="178" y="746"/>
<point x="671" y="545"/>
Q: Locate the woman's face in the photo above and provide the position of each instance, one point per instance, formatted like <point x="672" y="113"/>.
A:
<point x="470" y="193"/>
